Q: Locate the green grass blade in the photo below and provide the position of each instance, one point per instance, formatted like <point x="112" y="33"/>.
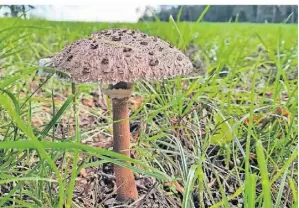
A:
<point x="6" y="82"/>
<point x="189" y="187"/>
<point x="14" y="100"/>
<point x="252" y="196"/>
<point x="282" y="185"/>
<point x="249" y="135"/>
<point x="224" y="197"/>
<point x="294" y="189"/>
<point x="286" y="165"/>
<point x="178" y="19"/>
<point x="58" y="115"/>
<point x="26" y="179"/>
<point x="71" y="185"/>
<point x="203" y="14"/>
<point x="264" y="174"/>
<point x="5" y="102"/>
<point x="100" y="152"/>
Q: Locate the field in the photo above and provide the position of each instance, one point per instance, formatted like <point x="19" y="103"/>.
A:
<point x="223" y="136"/>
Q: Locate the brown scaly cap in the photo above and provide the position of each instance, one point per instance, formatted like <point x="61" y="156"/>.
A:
<point x="116" y="55"/>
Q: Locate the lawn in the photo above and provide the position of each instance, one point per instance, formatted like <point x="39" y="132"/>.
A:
<point x="223" y="136"/>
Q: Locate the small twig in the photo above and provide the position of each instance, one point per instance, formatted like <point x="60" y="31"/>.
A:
<point x="147" y="195"/>
<point x="111" y="194"/>
<point x="138" y="201"/>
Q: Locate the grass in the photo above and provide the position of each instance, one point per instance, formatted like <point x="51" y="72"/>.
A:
<point x="227" y="133"/>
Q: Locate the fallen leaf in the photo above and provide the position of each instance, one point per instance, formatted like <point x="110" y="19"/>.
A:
<point x="177" y="186"/>
<point x="136" y="102"/>
<point x="211" y="183"/>
<point x="36" y="122"/>
<point x="256" y="119"/>
<point x="83" y="173"/>
<point x="252" y="156"/>
<point x="284" y="112"/>
<point x="100" y="103"/>
<point x="87" y="102"/>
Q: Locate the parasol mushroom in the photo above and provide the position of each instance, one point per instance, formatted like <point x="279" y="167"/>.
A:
<point x="119" y="57"/>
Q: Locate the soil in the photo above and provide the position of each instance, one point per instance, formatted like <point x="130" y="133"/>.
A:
<point x="96" y="187"/>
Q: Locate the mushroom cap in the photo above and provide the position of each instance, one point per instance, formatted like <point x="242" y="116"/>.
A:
<point x="115" y="55"/>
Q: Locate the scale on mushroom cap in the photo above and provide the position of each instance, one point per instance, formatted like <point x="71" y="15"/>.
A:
<point x="119" y="57"/>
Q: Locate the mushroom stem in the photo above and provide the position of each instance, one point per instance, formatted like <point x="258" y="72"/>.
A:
<point x="125" y="180"/>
